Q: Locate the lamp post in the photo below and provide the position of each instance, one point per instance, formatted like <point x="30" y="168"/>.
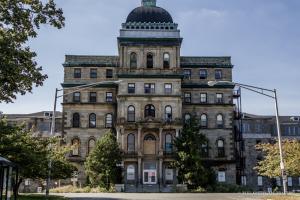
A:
<point x="52" y="130"/>
<point x="271" y="94"/>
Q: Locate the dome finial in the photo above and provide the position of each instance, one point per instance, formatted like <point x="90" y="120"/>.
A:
<point x="149" y="3"/>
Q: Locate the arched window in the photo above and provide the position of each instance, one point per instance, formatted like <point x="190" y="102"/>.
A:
<point x="149" y="60"/>
<point x="133" y="61"/>
<point x="76" y="120"/>
<point x="166" y="61"/>
<point x="131" y="114"/>
<point x="168" y="143"/>
<point x="168" y="113"/>
<point x="130" y="143"/>
<point x="205" y="149"/>
<point x="150" y="111"/>
<point x="220" y="121"/>
<point x="76" y="147"/>
<point x="221" y="148"/>
<point x="149" y="137"/>
<point x="203" y="121"/>
<point x="187" y="118"/>
<point x="92" y="120"/>
<point x="131" y="173"/>
<point x="108" y="121"/>
<point x="91" y="145"/>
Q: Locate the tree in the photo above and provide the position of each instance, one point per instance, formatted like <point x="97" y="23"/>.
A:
<point x="31" y="153"/>
<point x="101" y="164"/>
<point x="19" y="21"/>
<point x="189" y="159"/>
<point x="270" y="165"/>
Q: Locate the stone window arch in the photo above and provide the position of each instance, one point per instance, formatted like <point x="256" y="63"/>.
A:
<point x="149" y="111"/>
<point x="221" y="147"/>
<point x="150" y="60"/>
<point x="168" y="113"/>
<point x="131" y="114"/>
<point x="220" y="121"/>
<point x="92" y="120"/>
<point x="133" y="60"/>
<point x="76" y="147"/>
<point x="76" y="120"/>
<point x="91" y="144"/>
<point x="166" y="60"/>
<point x="203" y="121"/>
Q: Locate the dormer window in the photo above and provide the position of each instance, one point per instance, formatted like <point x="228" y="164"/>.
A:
<point x="149" y="61"/>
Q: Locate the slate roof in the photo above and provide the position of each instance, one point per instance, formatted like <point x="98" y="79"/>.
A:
<point x="189" y="61"/>
<point x="149" y="14"/>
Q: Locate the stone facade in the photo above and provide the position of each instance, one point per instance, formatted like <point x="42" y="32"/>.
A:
<point x="262" y="129"/>
<point x="159" y="90"/>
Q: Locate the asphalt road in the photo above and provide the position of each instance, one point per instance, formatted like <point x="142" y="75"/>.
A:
<point x="164" y="196"/>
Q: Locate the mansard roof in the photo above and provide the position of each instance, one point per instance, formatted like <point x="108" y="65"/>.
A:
<point x="195" y="61"/>
<point x="82" y="61"/>
<point x="113" y="61"/>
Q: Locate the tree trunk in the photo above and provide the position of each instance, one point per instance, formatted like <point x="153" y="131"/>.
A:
<point x="16" y="188"/>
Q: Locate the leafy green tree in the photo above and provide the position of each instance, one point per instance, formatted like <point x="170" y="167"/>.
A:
<point x="101" y="164"/>
<point x="189" y="157"/>
<point x="270" y="165"/>
<point x="31" y="153"/>
<point x="19" y="21"/>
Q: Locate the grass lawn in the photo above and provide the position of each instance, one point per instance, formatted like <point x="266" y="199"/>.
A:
<point x="289" y="197"/>
<point x="39" y="197"/>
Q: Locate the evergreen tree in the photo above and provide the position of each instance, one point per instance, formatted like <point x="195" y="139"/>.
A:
<point x="101" y="164"/>
<point x="189" y="156"/>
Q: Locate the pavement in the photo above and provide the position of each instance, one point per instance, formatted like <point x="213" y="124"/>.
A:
<point x="162" y="196"/>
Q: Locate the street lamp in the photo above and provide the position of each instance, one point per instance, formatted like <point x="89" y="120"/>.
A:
<point x="271" y="94"/>
<point x="77" y="88"/>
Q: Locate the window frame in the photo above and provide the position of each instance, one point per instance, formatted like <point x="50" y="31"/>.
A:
<point x="150" y="61"/>
<point x="203" y="124"/>
<point x="133" y="61"/>
<point x="168" y="115"/>
<point x="187" y="76"/>
<point x="205" y="101"/>
<point x="77" y="147"/>
<point x="150" y="112"/>
<point x="150" y="89"/>
<point x="186" y="98"/>
<point x="109" y="99"/>
<point x="75" y="100"/>
<point x="93" y="124"/>
<point x="221" y="149"/>
<point x="89" y="145"/>
<point x="93" y="73"/>
<point x="218" y="74"/>
<point x="168" y="144"/>
<point x="109" y="73"/>
<point x="93" y="99"/>
<point x="170" y="89"/>
<point x="204" y="75"/>
<point x="219" y="100"/>
<point x="166" y="61"/>
<point x="131" y="114"/>
<point x="76" y="120"/>
<point x="218" y="122"/>
<point x="131" y="90"/>
<point x="77" y="73"/>
<point x="107" y="120"/>
<point x="132" y="143"/>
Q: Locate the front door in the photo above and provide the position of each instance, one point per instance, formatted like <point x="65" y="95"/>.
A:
<point x="150" y="177"/>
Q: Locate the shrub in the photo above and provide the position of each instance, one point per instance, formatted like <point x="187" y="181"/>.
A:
<point x="72" y="189"/>
<point x="228" y="188"/>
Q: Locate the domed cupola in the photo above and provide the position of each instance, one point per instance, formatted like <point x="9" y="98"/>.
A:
<point x="149" y="13"/>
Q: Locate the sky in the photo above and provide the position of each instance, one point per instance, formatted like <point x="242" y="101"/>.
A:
<point x="261" y="36"/>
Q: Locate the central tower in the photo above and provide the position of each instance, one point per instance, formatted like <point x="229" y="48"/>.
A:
<point x="151" y="3"/>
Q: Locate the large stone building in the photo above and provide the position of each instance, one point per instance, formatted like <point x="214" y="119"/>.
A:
<point x="262" y="129"/>
<point x="159" y="90"/>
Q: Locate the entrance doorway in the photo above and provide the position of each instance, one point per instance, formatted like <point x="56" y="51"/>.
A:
<point x="150" y="177"/>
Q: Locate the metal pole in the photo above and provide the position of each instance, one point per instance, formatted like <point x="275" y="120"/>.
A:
<point x="282" y="167"/>
<point x="52" y="130"/>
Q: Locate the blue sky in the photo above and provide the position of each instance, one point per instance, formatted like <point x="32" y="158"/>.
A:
<point x="262" y="36"/>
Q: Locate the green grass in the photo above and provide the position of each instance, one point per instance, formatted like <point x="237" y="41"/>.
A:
<point x="39" y="197"/>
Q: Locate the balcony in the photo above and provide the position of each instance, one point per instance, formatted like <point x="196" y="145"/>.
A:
<point x="151" y="120"/>
<point x="130" y="154"/>
<point x="150" y="73"/>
